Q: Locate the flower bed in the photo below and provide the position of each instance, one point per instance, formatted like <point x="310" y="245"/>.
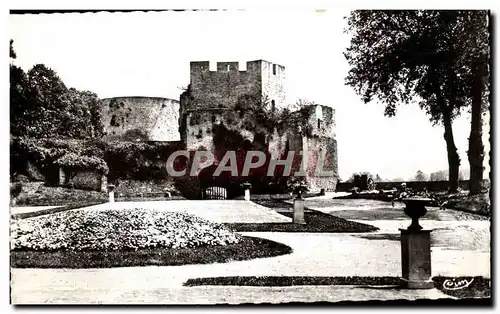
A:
<point x="124" y="229"/>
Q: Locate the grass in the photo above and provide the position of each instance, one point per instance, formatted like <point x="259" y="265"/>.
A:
<point x="316" y="221"/>
<point x="284" y="281"/>
<point x="475" y="204"/>
<point x="248" y="248"/>
<point x="479" y="288"/>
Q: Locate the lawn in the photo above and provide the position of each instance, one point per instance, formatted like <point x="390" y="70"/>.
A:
<point x="478" y="287"/>
<point x="248" y="248"/>
<point x="316" y="221"/>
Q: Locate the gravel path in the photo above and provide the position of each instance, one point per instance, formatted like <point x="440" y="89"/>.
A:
<point x="227" y="211"/>
<point x="229" y="295"/>
<point x="463" y="251"/>
<point x="314" y="255"/>
<point x="29" y="209"/>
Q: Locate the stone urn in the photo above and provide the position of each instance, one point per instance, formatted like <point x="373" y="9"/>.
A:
<point x="300" y="190"/>
<point x="246" y="185"/>
<point x="415" y="208"/>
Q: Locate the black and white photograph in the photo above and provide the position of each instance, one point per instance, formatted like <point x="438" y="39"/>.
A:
<point x="251" y="156"/>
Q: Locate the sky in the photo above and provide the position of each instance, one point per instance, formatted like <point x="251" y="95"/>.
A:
<point x="148" y="54"/>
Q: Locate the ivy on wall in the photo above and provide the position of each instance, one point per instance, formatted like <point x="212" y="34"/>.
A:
<point x="74" y="161"/>
<point x="125" y="160"/>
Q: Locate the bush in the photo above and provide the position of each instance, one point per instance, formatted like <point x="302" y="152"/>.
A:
<point x="75" y="161"/>
<point x="124" y="160"/>
<point x="20" y="178"/>
<point x="16" y="189"/>
<point x="188" y="186"/>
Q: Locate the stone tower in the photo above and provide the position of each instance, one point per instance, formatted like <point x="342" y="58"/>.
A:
<point x="212" y="92"/>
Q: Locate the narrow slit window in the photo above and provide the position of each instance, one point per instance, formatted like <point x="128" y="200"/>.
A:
<point x="273" y="105"/>
<point x="319" y="123"/>
<point x="274" y="69"/>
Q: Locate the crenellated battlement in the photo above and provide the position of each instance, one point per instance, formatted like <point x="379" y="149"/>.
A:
<point x="233" y="66"/>
<point x="221" y="84"/>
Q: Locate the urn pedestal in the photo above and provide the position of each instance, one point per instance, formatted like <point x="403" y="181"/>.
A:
<point x="111" y="193"/>
<point x="298" y="206"/>
<point x="247" y="186"/>
<point x="298" y="211"/>
<point x="416" y="248"/>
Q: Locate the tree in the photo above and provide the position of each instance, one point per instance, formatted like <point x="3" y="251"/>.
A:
<point x="440" y="175"/>
<point x="82" y="118"/>
<point x="401" y="56"/>
<point x="420" y="176"/>
<point x="474" y="57"/>
<point x="48" y="103"/>
<point x="12" y="53"/>
<point x="41" y="106"/>
<point x="19" y="95"/>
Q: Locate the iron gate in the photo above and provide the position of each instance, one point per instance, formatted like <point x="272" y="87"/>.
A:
<point x="214" y="193"/>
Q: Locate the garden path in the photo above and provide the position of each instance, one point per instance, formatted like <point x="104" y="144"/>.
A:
<point x="314" y="254"/>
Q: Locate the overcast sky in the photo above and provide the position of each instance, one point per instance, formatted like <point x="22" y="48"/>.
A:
<point x="148" y="54"/>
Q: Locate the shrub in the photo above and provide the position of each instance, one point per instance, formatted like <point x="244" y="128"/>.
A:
<point x="20" y="178"/>
<point x="75" y="161"/>
<point x="125" y="160"/>
<point x="16" y="189"/>
<point x="188" y="186"/>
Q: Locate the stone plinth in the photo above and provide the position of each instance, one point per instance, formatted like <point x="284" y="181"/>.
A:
<point x="298" y="211"/>
<point x="104" y="183"/>
<point x="62" y="176"/>
<point x="111" y="191"/>
<point x="416" y="259"/>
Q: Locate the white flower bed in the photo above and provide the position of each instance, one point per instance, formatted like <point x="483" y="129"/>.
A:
<point x="117" y="229"/>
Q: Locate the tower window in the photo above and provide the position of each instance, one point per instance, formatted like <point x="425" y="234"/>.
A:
<point x="274" y="69"/>
<point x="319" y="123"/>
<point x="273" y="105"/>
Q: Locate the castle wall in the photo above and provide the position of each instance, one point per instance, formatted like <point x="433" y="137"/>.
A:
<point x="144" y="118"/>
<point x="322" y="121"/>
<point x="222" y="88"/>
<point x="273" y="88"/>
<point x="83" y="179"/>
<point x="314" y="148"/>
<point x="321" y="142"/>
<point x="199" y="129"/>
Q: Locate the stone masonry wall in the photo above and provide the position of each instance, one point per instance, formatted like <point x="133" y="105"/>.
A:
<point x="315" y="147"/>
<point x="222" y="88"/>
<point x="84" y="179"/>
<point x="322" y="140"/>
<point x="146" y="118"/>
<point x="273" y="87"/>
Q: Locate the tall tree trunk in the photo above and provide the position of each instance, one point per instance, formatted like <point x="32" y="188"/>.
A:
<point x="476" y="147"/>
<point x="453" y="158"/>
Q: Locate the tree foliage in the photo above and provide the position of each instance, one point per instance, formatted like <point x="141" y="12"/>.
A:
<point x="41" y="106"/>
<point x="425" y="56"/>
<point x="441" y="175"/>
<point x="420" y="176"/>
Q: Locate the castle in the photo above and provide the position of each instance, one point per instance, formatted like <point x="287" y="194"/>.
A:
<point x="210" y="96"/>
